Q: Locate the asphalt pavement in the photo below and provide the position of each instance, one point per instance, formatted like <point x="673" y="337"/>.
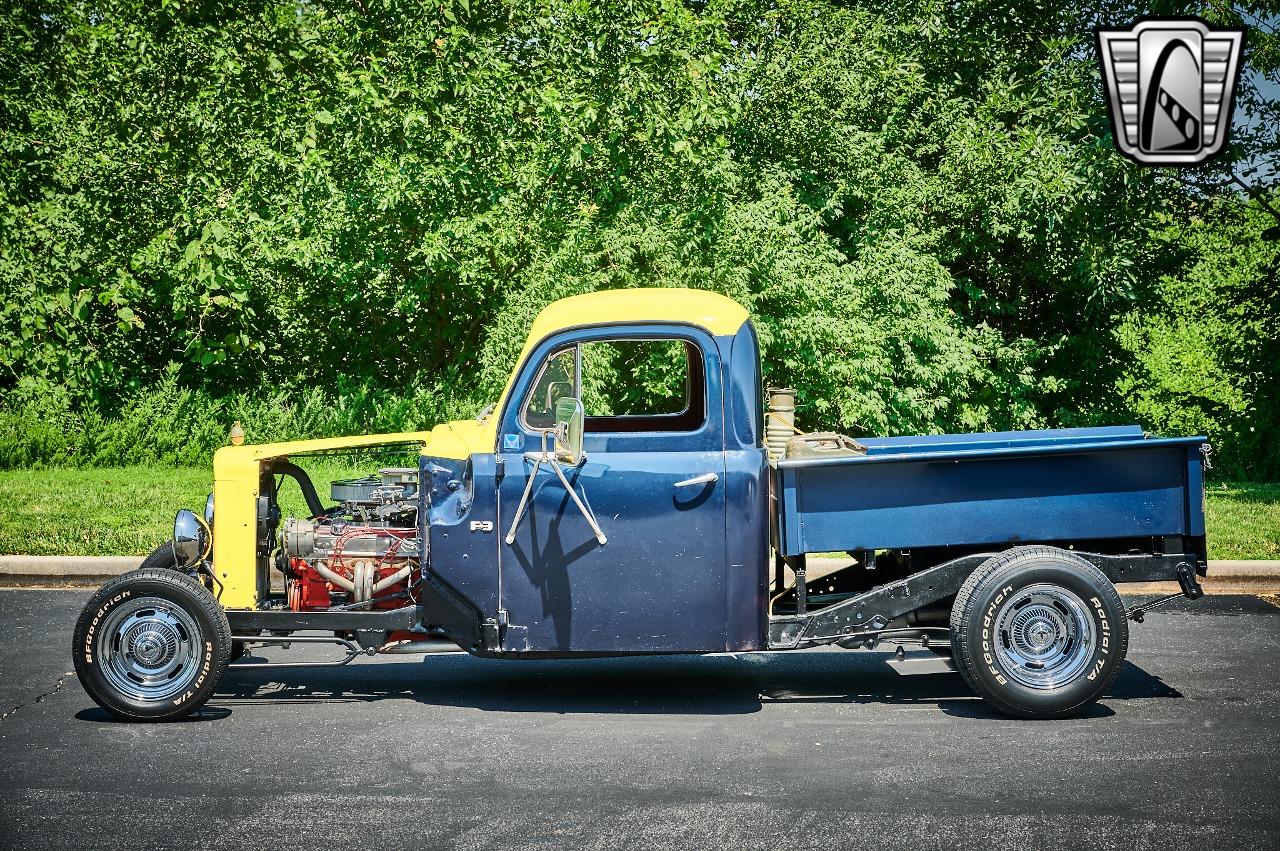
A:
<point x="821" y="749"/>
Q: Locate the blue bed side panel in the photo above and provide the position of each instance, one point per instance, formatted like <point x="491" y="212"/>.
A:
<point x="993" y="489"/>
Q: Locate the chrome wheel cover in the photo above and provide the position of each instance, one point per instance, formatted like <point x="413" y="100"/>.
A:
<point x="150" y="649"/>
<point x="1044" y="637"/>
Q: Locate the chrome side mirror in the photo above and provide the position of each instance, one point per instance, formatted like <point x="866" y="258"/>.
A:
<point x="191" y="539"/>
<point x="570" y="423"/>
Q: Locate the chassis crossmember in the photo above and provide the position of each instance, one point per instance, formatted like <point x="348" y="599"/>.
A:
<point x="871" y="612"/>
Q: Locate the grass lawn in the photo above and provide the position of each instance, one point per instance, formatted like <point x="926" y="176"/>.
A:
<point x="120" y="510"/>
<point x="129" y="510"/>
<point x="1243" y="520"/>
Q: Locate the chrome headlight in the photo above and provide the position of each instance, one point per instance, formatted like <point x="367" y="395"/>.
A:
<point x="208" y="511"/>
<point x="191" y="539"/>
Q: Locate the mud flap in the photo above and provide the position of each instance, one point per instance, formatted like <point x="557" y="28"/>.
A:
<point x="449" y="611"/>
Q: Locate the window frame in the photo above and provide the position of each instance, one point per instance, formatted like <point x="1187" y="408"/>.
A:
<point x="521" y="419"/>
<point x="708" y="438"/>
<point x="577" y="345"/>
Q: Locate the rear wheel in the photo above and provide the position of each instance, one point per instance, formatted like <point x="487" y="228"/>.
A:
<point x="1038" y="632"/>
<point x="151" y="645"/>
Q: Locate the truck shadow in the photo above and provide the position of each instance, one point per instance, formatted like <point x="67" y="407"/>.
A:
<point x="652" y="685"/>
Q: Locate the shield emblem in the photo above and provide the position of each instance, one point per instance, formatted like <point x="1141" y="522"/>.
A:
<point x="1170" y="84"/>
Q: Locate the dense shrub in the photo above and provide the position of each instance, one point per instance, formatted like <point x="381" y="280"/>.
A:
<point x="170" y="425"/>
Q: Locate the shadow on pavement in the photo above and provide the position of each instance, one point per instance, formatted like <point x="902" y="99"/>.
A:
<point x="1133" y="683"/>
<point x="653" y="685"/>
<point x="204" y="713"/>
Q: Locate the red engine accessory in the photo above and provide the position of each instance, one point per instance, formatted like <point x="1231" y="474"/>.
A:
<point x="309" y="590"/>
<point x="358" y="564"/>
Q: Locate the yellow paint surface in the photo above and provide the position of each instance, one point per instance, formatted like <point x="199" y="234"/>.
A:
<point x="713" y="312"/>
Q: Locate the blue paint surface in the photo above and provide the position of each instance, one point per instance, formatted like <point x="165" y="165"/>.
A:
<point x="687" y="569"/>
<point x="992" y="489"/>
<point x="662" y="582"/>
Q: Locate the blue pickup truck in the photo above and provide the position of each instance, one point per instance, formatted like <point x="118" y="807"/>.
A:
<point x="619" y="498"/>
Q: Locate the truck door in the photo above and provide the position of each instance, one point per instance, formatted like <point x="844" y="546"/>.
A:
<point x="653" y="476"/>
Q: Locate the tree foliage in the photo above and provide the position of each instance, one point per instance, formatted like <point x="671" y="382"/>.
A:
<point x="921" y="207"/>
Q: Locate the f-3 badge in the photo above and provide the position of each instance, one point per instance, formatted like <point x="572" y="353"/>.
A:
<point x="481" y="525"/>
<point x="1170" y="83"/>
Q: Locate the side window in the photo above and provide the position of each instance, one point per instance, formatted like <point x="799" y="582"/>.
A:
<point x="555" y="382"/>
<point x="626" y="386"/>
<point x="643" y="385"/>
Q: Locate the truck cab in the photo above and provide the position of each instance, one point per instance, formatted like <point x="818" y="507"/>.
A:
<point x="618" y="498"/>
<point x="673" y="469"/>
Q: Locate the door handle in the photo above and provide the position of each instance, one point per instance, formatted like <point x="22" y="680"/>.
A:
<point x="704" y="479"/>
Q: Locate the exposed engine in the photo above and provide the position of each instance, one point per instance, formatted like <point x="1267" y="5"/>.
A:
<point x="361" y="554"/>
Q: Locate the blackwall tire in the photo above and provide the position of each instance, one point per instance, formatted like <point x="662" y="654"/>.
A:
<point x="151" y="645"/>
<point x="1038" y="632"/>
<point x="161" y="558"/>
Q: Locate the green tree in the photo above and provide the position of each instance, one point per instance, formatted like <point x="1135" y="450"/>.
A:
<point x="361" y="207"/>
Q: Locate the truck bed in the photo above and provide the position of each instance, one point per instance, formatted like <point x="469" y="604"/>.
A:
<point x="994" y="488"/>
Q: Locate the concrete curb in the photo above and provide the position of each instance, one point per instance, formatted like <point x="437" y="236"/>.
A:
<point x="64" y="570"/>
<point x="1243" y="569"/>
<point x="92" y="570"/>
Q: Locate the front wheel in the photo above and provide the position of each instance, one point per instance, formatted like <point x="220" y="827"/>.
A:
<point x="151" y="645"/>
<point x="1038" y="632"/>
<point x="162" y="558"/>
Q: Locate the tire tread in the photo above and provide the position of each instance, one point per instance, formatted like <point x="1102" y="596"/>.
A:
<point x="962" y="620"/>
<point x="193" y="594"/>
<point x="161" y="558"/>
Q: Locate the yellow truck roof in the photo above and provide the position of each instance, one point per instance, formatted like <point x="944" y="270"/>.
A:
<point x="713" y="312"/>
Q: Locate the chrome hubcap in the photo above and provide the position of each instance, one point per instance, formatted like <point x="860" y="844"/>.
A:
<point x="150" y="649"/>
<point x="1044" y="636"/>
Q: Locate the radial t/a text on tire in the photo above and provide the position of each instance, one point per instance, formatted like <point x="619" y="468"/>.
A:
<point x="1038" y="632"/>
<point x="151" y="645"/>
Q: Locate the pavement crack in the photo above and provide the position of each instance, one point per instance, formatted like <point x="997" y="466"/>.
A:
<point x="50" y="693"/>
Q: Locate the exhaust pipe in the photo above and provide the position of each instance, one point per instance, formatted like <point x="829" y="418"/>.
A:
<point x="426" y="646"/>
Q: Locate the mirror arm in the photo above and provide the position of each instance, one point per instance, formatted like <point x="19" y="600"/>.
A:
<point x="537" y="458"/>
<point x="586" y="512"/>
<point x="524" y="498"/>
